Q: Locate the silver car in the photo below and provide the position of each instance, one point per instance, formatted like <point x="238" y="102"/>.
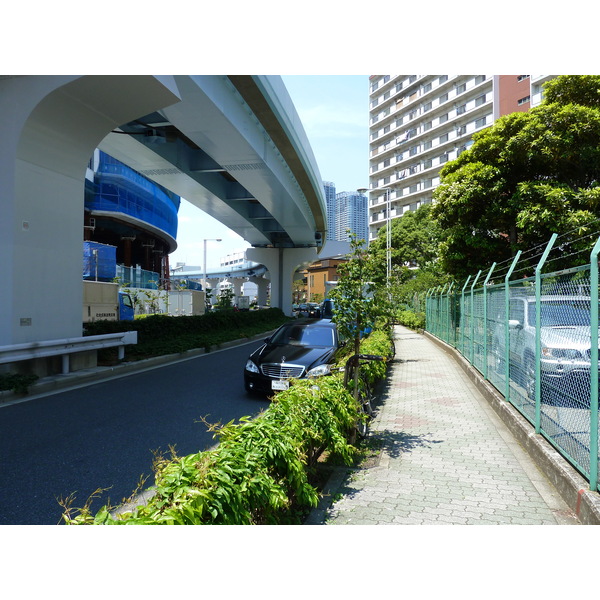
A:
<point x="565" y="340"/>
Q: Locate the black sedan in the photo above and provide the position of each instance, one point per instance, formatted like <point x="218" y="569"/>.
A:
<point x="297" y="350"/>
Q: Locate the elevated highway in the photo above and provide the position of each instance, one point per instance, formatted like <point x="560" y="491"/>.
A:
<point x="231" y="145"/>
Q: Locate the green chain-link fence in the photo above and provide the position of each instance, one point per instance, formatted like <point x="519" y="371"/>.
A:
<point x="536" y="340"/>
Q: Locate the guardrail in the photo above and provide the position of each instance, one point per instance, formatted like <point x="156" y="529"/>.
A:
<point x="67" y="346"/>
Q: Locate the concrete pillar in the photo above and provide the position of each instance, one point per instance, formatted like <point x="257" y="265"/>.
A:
<point x="237" y="284"/>
<point x="262" y="285"/>
<point x="50" y="127"/>
<point x="213" y="285"/>
<point x="282" y="264"/>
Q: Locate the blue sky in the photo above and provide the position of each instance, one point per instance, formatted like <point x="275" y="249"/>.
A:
<point x="334" y="112"/>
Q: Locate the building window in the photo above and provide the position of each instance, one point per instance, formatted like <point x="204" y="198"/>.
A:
<point x="461" y="109"/>
<point x="522" y="77"/>
<point x="480" y="122"/>
<point x="443" y="98"/>
<point x="524" y="100"/>
<point x="479" y="79"/>
<point x="442" y="79"/>
<point x="461" y="88"/>
<point x="480" y="100"/>
<point x="443" y="138"/>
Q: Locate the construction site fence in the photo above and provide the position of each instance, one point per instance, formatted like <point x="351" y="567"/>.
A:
<point x="536" y="341"/>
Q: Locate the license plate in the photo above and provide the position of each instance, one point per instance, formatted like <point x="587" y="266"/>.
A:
<point x="280" y="384"/>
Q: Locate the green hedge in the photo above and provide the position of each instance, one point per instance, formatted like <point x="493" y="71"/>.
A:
<point x="412" y="320"/>
<point x="163" y="334"/>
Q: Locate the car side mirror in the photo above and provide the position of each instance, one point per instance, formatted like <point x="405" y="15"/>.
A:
<point x="267" y="340"/>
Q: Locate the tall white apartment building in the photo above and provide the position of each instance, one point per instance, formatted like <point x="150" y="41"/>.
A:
<point x="417" y="123"/>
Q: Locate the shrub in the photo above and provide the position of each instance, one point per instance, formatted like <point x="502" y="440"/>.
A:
<point x="411" y="319"/>
<point x="17" y="382"/>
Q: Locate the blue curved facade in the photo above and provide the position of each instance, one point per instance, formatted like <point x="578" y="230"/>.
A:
<point x="118" y="188"/>
<point x="126" y="210"/>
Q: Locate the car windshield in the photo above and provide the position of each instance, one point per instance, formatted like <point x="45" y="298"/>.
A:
<point x="561" y="313"/>
<point x="304" y="335"/>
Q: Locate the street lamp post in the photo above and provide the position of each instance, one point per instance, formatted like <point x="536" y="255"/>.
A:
<point x="204" y="266"/>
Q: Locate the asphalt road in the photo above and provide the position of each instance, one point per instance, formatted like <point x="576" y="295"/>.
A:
<point x="104" y="435"/>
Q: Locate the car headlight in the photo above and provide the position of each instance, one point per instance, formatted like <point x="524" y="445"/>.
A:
<point x="318" y="371"/>
<point x="250" y="366"/>
<point x="564" y="353"/>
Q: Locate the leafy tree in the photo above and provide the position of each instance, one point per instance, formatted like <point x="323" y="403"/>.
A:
<point x="414" y="239"/>
<point x="527" y="176"/>
<point x="225" y="299"/>
<point x="354" y="309"/>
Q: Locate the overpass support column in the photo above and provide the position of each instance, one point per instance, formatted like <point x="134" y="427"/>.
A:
<point x="282" y="264"/>
<point x="263" y="287"/>
<point x="237" y="284"/>
<point x="213" y="286"/>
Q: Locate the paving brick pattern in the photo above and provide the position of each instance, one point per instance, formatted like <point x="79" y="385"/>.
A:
<point x="444" y="456"/>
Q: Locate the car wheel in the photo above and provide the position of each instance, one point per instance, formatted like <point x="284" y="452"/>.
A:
<point x="529" y="377"/>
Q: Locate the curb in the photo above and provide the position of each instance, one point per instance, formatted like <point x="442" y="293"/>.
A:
<point x="569" y="483"/>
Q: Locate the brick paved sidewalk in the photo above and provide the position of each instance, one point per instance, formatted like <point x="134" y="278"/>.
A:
<point x="445" y="457"/>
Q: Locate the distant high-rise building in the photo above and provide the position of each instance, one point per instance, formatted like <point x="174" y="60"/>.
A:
<point x="351" y="214"/>
<point x="329" y="188"/>
<point x="417" y="123"/>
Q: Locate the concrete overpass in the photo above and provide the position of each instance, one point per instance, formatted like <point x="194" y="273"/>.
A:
<point x="231" y="145"/>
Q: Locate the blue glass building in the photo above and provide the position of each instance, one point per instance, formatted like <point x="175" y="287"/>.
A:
<point x="126" y="210"/>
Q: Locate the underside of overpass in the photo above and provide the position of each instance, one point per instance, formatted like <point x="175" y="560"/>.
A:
<point x="233" y="146"/>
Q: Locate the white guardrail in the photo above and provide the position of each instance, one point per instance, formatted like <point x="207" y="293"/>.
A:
<point x="66" y="347"/>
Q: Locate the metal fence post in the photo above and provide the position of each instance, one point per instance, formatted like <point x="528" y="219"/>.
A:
<point x="462" y="317"/>
<point x="449" y="315"/>
<point x="427" y="310"/>
<point x="441" y="313"/>
<point x="485" y="325"/>
<point x="472" y="349"/>
<point x="507" y="328"/>
<point x="435" y="311"/>
<point x="538" y="334"/>
<point x="594" y="367"/>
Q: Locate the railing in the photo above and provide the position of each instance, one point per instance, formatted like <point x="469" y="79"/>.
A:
<point x="536" y="340"/>
<point x="65" y="347"/>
